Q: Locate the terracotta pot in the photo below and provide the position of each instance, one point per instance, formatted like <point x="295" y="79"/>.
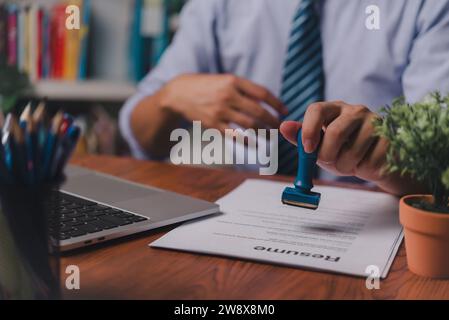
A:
<point x="426" y="239"/>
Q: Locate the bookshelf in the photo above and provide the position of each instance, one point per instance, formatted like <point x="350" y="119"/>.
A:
<point x="124" y="40"/>
<point x="84" y="91"/>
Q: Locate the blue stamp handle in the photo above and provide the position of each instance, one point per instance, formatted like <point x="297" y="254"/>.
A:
<point x="306" y="166"/>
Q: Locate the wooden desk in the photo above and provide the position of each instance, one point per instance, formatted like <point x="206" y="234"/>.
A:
<point x="129" y="269"/>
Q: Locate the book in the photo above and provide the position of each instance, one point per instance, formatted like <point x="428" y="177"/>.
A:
<point x="136" y="69"/>
<point x="160" y="39"/>
<point x="21" y="39"/>
<point x="26" y="39"/>
<point x="46" y="51"/>
<point x="40" y="43"/>
<point x="12" y="34"/>
<point x="84" y="42"/>
<point x="3" y="34"/>
<point x="57" y="35"/>
<point x="32" y="25"/>
<point x="71" y="51"/>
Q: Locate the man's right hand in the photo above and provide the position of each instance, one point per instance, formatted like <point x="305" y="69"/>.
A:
<point x="219" y="100"/>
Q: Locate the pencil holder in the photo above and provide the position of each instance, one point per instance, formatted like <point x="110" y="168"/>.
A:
<point x="29" y="255"/>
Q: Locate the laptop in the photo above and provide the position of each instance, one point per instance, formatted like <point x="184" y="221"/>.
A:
<point x="93" y="207"/>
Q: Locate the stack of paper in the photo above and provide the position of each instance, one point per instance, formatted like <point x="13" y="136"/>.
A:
<point x="349" y="232"/>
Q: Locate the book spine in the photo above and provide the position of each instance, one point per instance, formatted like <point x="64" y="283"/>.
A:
<point x="72" y="50"/>
<point x="3" y="34"/>
<point x="32" y="42"/>
<point x="26" y="40"/>
<point x="58" y="41"/>
<point x="84" y="35"/>
<point x="12" y="35"/>
<point x="21" y="39"/>
<point x="161" y="40"/>
<point x="46" y="55"/>
<point x="136" y="42"/>
<point x="40" y="43"/>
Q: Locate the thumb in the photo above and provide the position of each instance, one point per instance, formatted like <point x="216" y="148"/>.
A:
<point x="289" y="130"/>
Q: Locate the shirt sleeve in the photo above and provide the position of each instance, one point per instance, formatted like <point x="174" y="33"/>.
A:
<point x="428" y="68"/>
<point x="193" y="50"/>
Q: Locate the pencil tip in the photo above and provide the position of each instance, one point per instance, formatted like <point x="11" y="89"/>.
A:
<point x="16" y="130"/>
<point x="26" y="113"/>
<point x="39" y="112"/>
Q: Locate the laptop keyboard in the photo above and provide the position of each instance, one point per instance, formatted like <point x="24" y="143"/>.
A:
<point x="78" y="217"/>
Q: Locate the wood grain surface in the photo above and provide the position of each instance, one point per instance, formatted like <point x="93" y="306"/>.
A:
<point x="129" y="269"/>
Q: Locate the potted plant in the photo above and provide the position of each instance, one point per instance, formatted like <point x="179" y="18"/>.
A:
<point x="13" y="84"/>
<point x="419" y="147"/>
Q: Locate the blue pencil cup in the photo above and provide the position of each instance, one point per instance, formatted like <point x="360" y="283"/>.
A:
<point x="29" y="256"/>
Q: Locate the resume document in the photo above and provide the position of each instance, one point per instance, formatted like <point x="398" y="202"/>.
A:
<point x="352" y="232"/>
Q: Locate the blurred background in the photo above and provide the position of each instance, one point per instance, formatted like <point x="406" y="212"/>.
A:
<point x="88" y="73"/>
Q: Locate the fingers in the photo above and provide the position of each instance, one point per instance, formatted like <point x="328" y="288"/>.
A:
<point x="353" y="153"/>
<point x="254" y="110"/>
<point x="289" y="129"/>
<point x="261" y="94"/>
<point x="371" y="167"/>
<point x="215" y="122"/>
<point x="336" y="135"/>
<point x="241" y="119"/>
<point x="349" y="146"/>
<point x="317" y="115"/>
<point x="220" y="126"/>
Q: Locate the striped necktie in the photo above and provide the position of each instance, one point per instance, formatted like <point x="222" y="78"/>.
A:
<point x="303" y="77"/>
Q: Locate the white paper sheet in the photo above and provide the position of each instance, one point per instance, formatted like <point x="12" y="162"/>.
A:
<point x="350" y="230"/>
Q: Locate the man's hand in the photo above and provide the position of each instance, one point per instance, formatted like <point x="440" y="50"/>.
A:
<point x="349" y="146"/>
<point x="218" y="100"/>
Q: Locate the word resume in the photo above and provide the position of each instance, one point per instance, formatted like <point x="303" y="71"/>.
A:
<point x="352" y="231"/>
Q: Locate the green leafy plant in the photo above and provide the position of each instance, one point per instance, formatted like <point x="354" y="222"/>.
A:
<point x="419" y="144"/>
<point x="13" y="84"/>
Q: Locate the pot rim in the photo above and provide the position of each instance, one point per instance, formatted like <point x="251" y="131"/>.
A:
<point x="422" y="221"/>
<point x="436" y="215"/>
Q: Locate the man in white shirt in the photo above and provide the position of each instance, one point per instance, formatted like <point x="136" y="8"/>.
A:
<point x="256" y="63"/>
